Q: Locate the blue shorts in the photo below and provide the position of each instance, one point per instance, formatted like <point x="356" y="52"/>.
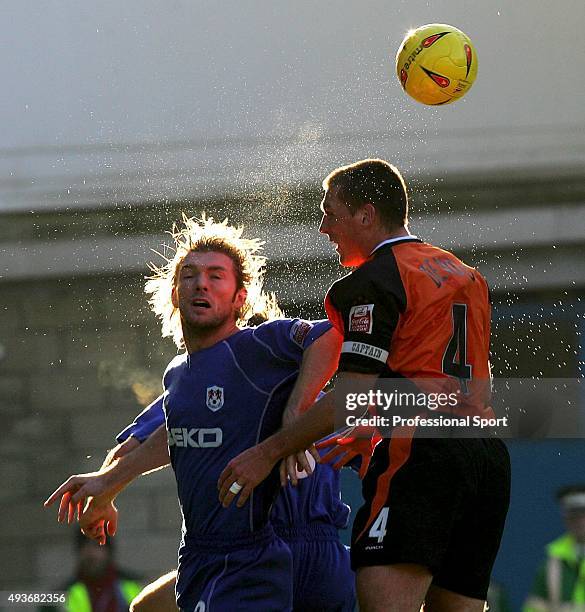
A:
<point x="323" y="580"/>
<point x="246" y="574"/>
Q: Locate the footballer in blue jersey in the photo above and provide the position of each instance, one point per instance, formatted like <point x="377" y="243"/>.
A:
<point x="219" y="401"/>
<point x="225" y="393"/>
<point x="307" y="517"/>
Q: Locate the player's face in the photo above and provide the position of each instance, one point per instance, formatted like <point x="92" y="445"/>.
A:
<point x="205" y="291"/>
<point x="93" y="559"/>
<point x="575" y="522"/>
<point x="343" y="229"/>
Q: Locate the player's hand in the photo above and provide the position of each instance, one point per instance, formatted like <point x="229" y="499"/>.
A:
<point x="243" y="474"/>
<point x="76" y="490"/>
<point x="99" y="520"/>
<point x="355" y="442"/>
<point x="293" y="465"/>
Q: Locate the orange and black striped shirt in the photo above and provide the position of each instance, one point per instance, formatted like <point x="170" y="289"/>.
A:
<point x="416" y="311"/>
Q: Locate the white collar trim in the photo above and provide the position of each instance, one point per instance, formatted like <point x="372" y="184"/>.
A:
<point x="391" y="240"/>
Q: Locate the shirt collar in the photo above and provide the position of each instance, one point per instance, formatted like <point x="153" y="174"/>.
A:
<point x="392" y="240"/>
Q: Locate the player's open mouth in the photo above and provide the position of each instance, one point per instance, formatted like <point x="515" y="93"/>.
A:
<point x="199" y="303"/>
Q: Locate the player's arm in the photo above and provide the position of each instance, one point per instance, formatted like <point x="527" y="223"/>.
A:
<point x="314" y="346"/>
<point x="319" y="364"/>
<point x="107" y="483"/>
<point x="316" y="422"/>
<point x="127" y="446"/>
<point x="252" y="466"/>
<point x="96" y="520"/>
<point x="361" y="329"/>
<point x="101" y="516"/>
<point x="317" y="367"/>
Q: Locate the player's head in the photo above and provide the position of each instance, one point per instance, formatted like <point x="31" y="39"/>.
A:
<point x="572" y="502"/>
<point x="214" y="278"/>
<point x="93" y="560"/>
<point x="362" y="202"/>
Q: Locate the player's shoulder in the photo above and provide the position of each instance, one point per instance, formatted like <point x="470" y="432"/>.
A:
<point x="292" y="330"/>
<point x="442" y="255"/>
<point x="177" y="362"/>
<point x="379" y="275"/>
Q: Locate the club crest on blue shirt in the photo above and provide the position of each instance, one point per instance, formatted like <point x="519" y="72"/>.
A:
<point x="214" y="398"/>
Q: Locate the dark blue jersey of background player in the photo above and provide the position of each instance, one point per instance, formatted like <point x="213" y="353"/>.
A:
<point x="241" y="386"/>
<point x="307" y="517"/>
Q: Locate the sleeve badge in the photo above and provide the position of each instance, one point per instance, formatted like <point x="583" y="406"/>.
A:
<point x="299" y="332"/>
<point x="361" y="318"/>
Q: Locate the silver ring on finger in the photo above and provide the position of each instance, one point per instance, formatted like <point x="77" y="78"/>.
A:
<point x="235" y="488"/>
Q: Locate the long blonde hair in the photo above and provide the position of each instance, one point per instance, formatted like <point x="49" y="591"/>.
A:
<point x="207" y="235"/>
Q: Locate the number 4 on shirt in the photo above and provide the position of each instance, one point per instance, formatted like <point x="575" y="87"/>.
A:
<point x="455" y="357"/>
<point x="378" y="529"/>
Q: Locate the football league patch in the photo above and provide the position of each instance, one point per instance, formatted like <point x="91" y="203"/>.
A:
<point x="361" y="318"/>
<point x="299" y="332"/>
<point x="214" y="398"/>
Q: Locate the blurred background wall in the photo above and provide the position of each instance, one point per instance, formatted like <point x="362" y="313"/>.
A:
<point x="117" y="118"/>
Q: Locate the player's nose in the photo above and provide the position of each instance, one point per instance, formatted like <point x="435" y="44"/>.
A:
<point x="323" y="229"/>
<point x="201" y="283"/>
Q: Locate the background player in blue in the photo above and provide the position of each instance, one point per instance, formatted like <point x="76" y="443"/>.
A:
<point x="224" y="394"/>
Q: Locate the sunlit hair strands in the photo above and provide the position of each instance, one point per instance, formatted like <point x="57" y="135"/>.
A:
<point x="206" y="235"/>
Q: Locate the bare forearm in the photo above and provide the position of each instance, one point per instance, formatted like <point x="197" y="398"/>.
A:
<point x="120" y="450"/>
<point x="318" y="366"/>
<point x="311" y="426"/>
<point x="151" y="455"/>
<point x="253" y="465"/>
<point x="105" y="485"/>
<point x="317" y="422"/>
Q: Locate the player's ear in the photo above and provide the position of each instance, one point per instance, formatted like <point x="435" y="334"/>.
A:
<point x="368" y="214"/>
<point x="175" y="297"/>
<point x="240" y="298"/>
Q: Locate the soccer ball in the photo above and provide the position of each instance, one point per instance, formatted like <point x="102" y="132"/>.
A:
<point x="436" y="64"/>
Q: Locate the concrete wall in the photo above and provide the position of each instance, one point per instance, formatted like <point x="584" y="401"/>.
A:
<point x="72" y="349"/>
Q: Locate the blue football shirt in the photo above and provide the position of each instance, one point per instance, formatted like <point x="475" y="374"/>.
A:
<point x="222" y="400"/>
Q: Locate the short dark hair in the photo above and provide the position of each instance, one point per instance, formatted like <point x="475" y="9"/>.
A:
<point x="374" y="181"/>
<point x="572" y="497"/>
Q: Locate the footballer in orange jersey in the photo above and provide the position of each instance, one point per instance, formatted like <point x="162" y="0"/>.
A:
<point x="435" y="507"/>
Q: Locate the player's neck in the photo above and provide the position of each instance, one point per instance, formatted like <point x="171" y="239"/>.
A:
<point x="199" y="339"/>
